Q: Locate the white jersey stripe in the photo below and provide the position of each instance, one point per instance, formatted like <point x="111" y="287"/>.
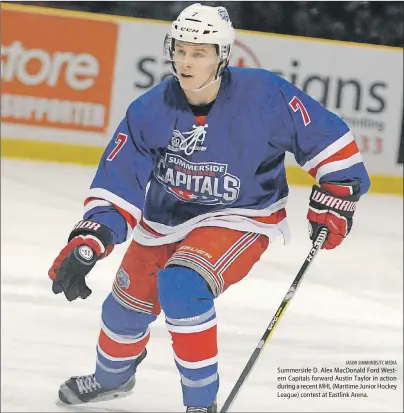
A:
<point x="117" y="200"/>
<point x="329" y="150"/>
<point x="338" y="165"/>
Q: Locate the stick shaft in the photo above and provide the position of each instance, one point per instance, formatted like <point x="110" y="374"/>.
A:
<point x="317" y="244"/>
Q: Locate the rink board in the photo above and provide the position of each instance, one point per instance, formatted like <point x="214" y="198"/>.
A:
<point x="67" y="109"/>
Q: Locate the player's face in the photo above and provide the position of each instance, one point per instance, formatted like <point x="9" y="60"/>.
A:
<point x="196" y="64"/>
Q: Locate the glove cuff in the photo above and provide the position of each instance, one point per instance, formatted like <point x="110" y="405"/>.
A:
<point x="91" y="229"/>
<point x="342" y="189"/>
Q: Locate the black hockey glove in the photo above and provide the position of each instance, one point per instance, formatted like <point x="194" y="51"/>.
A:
<point x="87" y="243"/>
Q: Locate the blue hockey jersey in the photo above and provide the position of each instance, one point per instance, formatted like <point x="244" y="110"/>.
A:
<point x="164" y="174"/>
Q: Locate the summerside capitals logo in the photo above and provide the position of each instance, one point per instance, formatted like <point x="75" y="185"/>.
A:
<point x="203" y="182"/>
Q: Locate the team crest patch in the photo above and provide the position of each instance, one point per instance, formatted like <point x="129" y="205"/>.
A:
<point x="188" y="141"/>
<point x="123" y="279"/>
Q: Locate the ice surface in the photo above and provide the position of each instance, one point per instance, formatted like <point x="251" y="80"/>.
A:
<point x="349" y="305"/>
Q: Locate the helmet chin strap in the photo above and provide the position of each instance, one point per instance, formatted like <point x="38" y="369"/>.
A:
<point x="204" y="87"/>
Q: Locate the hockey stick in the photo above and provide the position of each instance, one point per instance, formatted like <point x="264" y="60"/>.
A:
<point x="317" y="244"/>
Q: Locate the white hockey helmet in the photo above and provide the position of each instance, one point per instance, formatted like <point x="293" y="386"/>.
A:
<point x="203" y="25"/>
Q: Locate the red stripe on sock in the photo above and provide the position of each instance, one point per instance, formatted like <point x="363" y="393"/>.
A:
<point x="195" y="346"/>
<point x="114" y="349"/>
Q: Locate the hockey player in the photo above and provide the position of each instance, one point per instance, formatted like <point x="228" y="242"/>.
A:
<point x="195" y="175"/>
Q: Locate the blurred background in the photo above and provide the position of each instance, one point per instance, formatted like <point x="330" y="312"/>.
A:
<point x="356" y="21"/>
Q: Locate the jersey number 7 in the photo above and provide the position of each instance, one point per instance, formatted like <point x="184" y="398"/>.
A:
<point x="296" y="104"/>
<point x="120" y="141"/>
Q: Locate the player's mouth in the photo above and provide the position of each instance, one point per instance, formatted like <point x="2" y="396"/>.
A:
<point x="184" y="76"/>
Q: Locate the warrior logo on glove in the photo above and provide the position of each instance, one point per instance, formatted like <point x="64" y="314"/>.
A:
<point x="86" y="252"/>
<point x="332" y="206"/>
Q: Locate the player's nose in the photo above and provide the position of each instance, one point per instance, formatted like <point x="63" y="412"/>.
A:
<point x="186" y="68"/>
<point x="187" y="60"/>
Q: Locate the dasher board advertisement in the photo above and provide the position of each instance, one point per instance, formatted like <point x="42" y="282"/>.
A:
<point x="57" y="76"/>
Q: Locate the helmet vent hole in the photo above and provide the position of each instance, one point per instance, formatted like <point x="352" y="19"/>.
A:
<point x="194" y="20"/>
<point x="206" y="31"/>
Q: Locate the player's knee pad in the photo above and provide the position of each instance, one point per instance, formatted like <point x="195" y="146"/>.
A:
<point x="183" y="292"/>
<point x="122" y="320"/>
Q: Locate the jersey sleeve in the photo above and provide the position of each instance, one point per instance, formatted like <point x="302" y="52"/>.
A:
<point x="117" y="193"/>
<point x="322" y="143"/>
